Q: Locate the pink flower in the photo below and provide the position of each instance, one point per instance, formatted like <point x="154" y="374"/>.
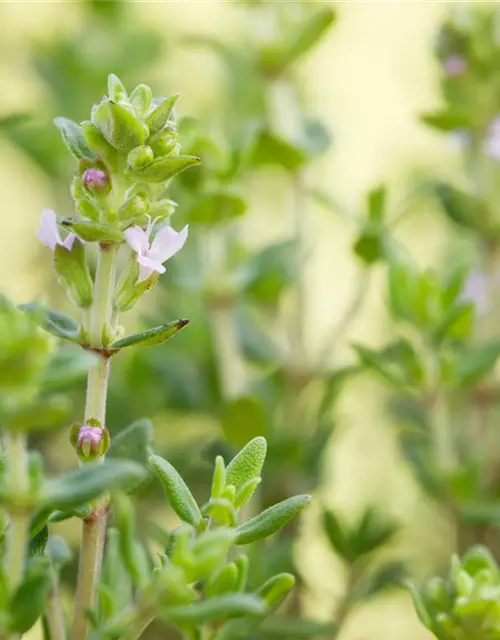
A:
<point x="151" y="257"/>
<point x="454" y="65"/>
<point x="48" y="233"/>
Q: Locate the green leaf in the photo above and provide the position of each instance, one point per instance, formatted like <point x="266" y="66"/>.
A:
<point x="246" y="492"/>
<point x="38" y="543"/>
<point x="72" y="268"/>
<point x="267" y="273"/>
<point x="118" y="126"/>
<point x="135" y="442"/>
<point x="52" y="321"/>
<point x="243" y="418"/>
<point x="219" y="478"/>
<point x="216" y="207"/>
<point x="338" y="536"/>
<point x="75" y="487"/>
<point x="451" y="119"/>
<point x="178" y="493"/>
<point x="28" y="600"/>
<point x="224" y="582"/>
<point x="376" y="202"/>
<point x="271" y="149"/>
<point x="140" y="99"/>
<point x="419" y="604"/>
<point x="132" y="553"/>
<point x="114" y="573"/>
<point x="397" y="362"/>
<point x="275" y="590"/>
<point x="271" y="520"/>
<point x="371" y="244"/>
<point x="221" y="511"/>
<point x="372" y="533"/>
<point x="93" y="231"/>
<point x="69" y="365"/>
<point x="151" y="336"/>
<point x="235" y="604"/>
<point x="307" y="36"/>
<point x="159" y="116"/>
<point x="468" y="211"/>
<point x="163" y="169"/>
<point x="247" y="464"/>
<point x="73" y="138"/>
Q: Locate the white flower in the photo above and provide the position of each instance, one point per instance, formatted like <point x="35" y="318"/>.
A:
<point x="48" y="233"/>
<point x="151" y="257"/>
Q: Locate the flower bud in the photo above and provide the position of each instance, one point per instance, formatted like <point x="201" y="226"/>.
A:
<point x="162" y="208"/>
<point x="165" y="142"/>
<point x="96" y="181"/>
<point x="134" y="207"/>
<point x="90" y="440"/>
<point x="140" y="157"/>
<point x="71" y="266"/>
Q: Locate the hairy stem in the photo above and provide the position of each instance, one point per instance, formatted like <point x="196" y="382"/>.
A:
<point x="94" y="527"/>
<point x="18" y="518"/>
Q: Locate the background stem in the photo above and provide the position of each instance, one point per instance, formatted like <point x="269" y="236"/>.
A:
<point x="19" y="520"/>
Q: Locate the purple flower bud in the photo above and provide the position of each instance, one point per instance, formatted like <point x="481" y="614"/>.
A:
<point x="96" y="180"/>
<point x="454" y="65"/>
<point x="90" y="441"/>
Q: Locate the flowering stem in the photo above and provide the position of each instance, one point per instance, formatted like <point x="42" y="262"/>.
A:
<point x="94" y="527"/>
<point x="19" y="520"/>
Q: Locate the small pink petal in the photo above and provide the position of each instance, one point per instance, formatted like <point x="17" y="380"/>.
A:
<point x="69" y="241"/>
<point x="147" y="266"/>
<point x="47" y="232"/>
<point x="167" y="243"/>
<point x="137" y="240"/>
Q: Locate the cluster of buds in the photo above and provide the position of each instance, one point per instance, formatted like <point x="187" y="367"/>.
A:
<point x="467" y="604"/>
<point x="128" y="151"/>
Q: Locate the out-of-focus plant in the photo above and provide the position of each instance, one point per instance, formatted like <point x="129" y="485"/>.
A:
<point x="127" y="154"/>
<point x="466" y="605"/>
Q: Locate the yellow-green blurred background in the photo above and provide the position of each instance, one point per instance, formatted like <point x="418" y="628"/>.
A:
<point x="368" y="80"/>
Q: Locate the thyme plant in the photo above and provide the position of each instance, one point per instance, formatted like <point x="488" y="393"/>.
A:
<point x="127" y="153"/>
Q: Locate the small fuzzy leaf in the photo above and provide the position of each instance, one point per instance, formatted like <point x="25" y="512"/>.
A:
<point x="235" y="604"/>
<point x="118" y="126"/>
<point x="246" y="492"/>
<point x="75" y="487"/>
<point x="93" y="231"/>
<point x="247" y="464"/>
<point x="163" y="169"/>
<point x="178" y="493"/>
<point x="271" y="520"/>
<point x="152" y="336"/>
<point x="158" y="118"/>
<point x="221" y="511"/>
<point x="52" y="321"/>
<point x="224" y="582"/>
<point x="73" y="138"/>
<point x="219" y="478"/>
<point x="276" y="589"/>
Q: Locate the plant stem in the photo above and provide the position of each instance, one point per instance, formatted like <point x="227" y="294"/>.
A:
<point x="54" y="614"/>
<point x="19" y="520"/>
<point x="94" y="527"/>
